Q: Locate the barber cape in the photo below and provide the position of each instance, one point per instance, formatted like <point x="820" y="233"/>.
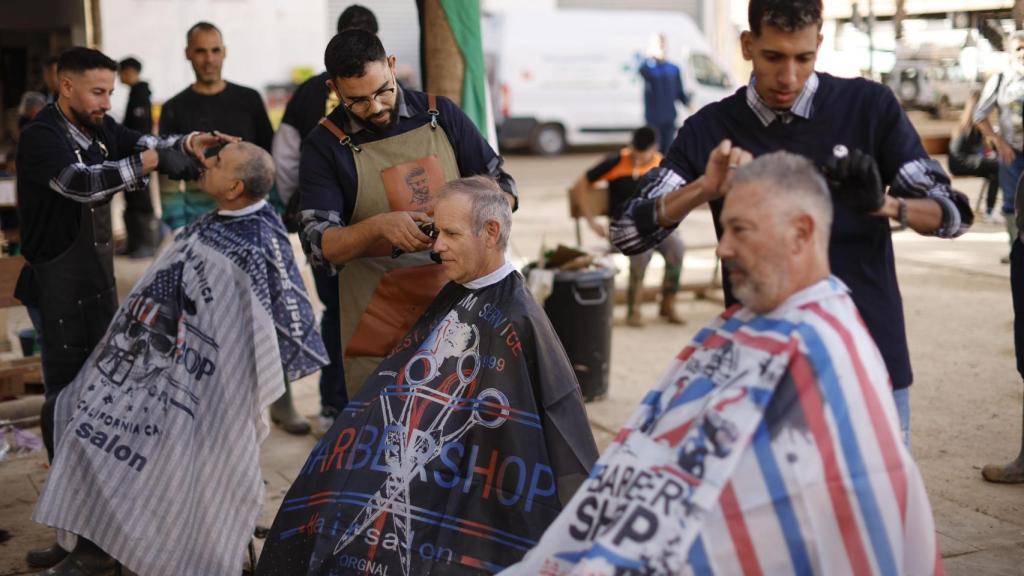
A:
<point x="455" y="455"/>
<point x="771" y="446"/>
<point x="158" y="437"/>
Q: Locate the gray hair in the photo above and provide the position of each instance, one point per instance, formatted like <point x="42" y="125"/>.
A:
<point x="795" y="183"/>
<point x="489" y="203"/>
<point x="31" y="101"/>
<point x="256" y="170"/>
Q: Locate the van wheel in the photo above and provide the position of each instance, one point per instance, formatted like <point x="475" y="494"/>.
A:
<point x="547" y="140"/>
<point x="909" y="91"/>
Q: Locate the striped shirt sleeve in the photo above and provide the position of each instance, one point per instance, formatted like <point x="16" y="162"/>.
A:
<point x="637" y="230"/>
<point x="925" y="178"/>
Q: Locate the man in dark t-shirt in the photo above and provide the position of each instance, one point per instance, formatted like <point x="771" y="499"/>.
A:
<point x="622" y="170"/>
<point x="788" y="106"/>
<point x="209" y="104"/>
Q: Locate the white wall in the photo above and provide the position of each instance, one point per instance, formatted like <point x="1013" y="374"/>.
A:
<point x="265" y="39"/>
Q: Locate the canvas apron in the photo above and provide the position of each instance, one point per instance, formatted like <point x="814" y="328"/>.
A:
<point x="383" y="297"/>
<point x="77" y="292"/>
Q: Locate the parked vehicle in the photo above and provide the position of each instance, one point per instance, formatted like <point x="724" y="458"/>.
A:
<point x="570" y="77"/>
<point x="938" y="86"/>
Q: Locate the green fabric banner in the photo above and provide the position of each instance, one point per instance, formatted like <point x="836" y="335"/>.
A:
<point x="464" y="20"/>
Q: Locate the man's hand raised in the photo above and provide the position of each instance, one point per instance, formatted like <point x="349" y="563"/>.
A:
<point x="723" y="160"/>
<point x="401" y="230"/>
<point x="200" y="142"/>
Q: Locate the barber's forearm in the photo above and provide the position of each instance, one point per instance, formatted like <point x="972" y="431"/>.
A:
<point x="678" y="203"/>
<point x="342" y="244"/>
<point x="924" y="215"/>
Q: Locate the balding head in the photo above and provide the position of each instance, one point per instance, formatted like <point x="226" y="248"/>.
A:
<point x="776" y="224"/>
<point x="238" y="175"/>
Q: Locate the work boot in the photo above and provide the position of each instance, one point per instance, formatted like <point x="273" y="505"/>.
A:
<point x="633" y="300"/>
<point x="284" y="414"/>
<point x="668" y="309"/>
<point x="85" y="560"/>
<point x="1012" y="473"/>
<point x="46" y="557"/>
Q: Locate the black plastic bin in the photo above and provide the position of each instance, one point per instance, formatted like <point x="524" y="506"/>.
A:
<point x="580" y="309"/>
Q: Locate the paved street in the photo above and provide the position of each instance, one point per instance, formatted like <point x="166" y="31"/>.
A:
<point x="967" y="399"/>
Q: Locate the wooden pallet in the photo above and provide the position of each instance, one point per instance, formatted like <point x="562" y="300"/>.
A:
<point x="21" y="376"/>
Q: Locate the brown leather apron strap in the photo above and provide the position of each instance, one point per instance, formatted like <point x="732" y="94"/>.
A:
<point x="343" y="139"/>
<point x="432" y="110"/>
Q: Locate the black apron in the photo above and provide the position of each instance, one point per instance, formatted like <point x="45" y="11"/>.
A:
<point x="77" y="291"/>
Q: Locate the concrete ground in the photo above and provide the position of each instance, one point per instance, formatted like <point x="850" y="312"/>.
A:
<point x="967" y="400"/>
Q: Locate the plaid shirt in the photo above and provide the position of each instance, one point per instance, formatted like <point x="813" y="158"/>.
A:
<point x="98" y="182"/>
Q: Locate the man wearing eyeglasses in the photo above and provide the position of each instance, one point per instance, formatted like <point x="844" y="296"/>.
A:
<point x="361" y="178"/>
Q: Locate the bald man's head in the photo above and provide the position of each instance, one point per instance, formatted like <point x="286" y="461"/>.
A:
<point x="238" y="175"/>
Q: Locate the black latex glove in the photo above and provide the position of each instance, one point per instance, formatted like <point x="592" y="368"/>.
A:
<point x="854" y="180"/>
<point x="177" y="165"/>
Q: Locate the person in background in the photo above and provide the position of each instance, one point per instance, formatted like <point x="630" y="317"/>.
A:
<point x="969" y="156"/>
<point x="313" y="100"/>
<point x="140" y="222"/>
<point x="1004" y="95"/>
<point x="622" y="170"/>
<point x="663" y="85"/>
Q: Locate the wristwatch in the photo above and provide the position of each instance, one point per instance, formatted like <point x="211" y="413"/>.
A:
<point x="902" y="213"/>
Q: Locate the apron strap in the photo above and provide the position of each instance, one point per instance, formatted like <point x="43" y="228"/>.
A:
<point x="343" y="139"/>
<point x="432" y="110"/>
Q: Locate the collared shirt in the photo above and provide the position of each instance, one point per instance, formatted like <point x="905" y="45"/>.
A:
<point x="250" y="209"/>
<point x="492" y="278"/>
<point x="1005" y="92"/>
<point x="802" y="106"/>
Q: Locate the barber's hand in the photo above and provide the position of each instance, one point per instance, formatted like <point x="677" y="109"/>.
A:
<point x="205" y="140"/>
<point x="400" y="229"/>
<point x="854" y="180"/>
<point x="723" y="160"/>
<point x="177" y="165"/>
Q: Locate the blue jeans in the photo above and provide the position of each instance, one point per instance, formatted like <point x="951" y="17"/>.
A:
<point x="332" y="377"/>
<point x="1009" y="174"/>
<point x="902" y="398"/>
<point x="666" y="134"/>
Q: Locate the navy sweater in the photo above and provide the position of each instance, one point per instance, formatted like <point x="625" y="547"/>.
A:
<point x="858" y="114"/>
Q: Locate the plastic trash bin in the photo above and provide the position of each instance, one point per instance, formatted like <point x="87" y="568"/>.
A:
<point x="580" y="309"/>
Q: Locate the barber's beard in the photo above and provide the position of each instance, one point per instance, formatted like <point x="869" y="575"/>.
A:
<point x="85" y="119"/>
<point x="374" y="127"/>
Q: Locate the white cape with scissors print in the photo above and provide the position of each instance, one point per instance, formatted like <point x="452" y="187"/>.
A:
<point x="157" y="457"/>
<point x="771" y="446"/>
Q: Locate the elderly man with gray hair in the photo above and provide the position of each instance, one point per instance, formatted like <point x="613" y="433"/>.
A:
<point x="463" y="444"/>
<point x="771" y="445"/>
<point x="157" y="438"/>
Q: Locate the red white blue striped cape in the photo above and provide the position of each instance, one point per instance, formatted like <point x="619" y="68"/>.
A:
<point x="771" y="446"/>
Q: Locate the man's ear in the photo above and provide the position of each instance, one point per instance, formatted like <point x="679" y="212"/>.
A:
<point x="236" y="190"/>
<point x="803" y="231"/>
<point x="333" y="88"/>
<point x="493" y="231"/>
<point x="64" y="84"/>
<point x="391" y="63"/>
<point x="747" y="44"/>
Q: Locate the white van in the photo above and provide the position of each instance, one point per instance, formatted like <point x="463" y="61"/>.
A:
<point x="570" y="77"/>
